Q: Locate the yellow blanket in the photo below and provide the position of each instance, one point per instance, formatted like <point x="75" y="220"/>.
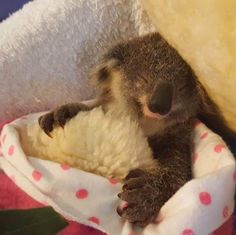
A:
<point x="204" y="33"/>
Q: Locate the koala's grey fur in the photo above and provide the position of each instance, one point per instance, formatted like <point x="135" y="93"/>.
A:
<point x="132" y="75"/>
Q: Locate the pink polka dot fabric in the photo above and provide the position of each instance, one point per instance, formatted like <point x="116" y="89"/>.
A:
<point x="198" y="208"/>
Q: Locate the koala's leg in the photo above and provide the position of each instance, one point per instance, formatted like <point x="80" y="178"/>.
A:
<point x="62" y="114"/>
<point x="146" y="191"/>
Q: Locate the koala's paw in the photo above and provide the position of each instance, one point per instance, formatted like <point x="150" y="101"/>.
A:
<point x="58" y="117"/>
<point x="141" y="191"/>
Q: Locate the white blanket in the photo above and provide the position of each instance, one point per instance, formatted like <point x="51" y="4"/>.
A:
<point x="198" y="208"/>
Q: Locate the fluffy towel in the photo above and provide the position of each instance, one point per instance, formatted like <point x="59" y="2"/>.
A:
<point x="108" y="144"/>
<point x="198" y="208"/>
<point x="48" y="47"/>
<point x="204" y="32"/>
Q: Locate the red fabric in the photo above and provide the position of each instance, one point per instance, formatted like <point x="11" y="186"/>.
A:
<point x="226" y="228"/>
<point x="12" y="197"/>
<point x="4" y="123"/>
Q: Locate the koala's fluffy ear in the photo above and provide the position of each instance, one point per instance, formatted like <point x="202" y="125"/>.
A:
<point x="102" y="73"/>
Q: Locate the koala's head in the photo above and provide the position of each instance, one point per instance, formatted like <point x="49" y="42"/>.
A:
<point x="147" y="76"/>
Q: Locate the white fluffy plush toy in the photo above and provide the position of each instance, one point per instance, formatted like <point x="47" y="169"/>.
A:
<point x="102" y="143"/>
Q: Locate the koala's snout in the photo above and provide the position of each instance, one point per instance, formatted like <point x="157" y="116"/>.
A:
<point x="161" y="100"/>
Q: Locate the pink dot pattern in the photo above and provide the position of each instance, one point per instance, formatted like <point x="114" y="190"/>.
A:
<point x="113" y="181"/>
<point x="204" y="136"/>
<point x="225" y="212"/>
<point x="218" y="148"/>
<point x="205" y="198"/>
<point x="94" y="220"/>
<point x="85" y="192"/>
<point x="11" y="150"/>
<point x="82" y="194"/>
<point x="36" y="175"/>
<point x="188" y="232"/>
<point x="65" y="167"/>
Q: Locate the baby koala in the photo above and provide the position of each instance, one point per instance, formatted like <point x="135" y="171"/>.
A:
<point x="147" y="78"/>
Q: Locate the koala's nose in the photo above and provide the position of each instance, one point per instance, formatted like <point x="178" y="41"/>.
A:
<point x="161" y="100"/>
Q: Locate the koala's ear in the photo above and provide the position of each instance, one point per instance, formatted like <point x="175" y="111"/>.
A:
<point x="101" y="75"/>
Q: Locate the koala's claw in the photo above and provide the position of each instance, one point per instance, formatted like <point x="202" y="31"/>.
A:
<point x="46" y="123"/>
<point x="142" y="198"/>
<point x="58" y="117"/>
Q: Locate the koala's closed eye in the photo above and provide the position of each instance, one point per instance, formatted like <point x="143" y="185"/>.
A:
<point x="102" y="73"/>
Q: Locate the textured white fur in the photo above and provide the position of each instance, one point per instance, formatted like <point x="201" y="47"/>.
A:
<point x="107" y="144"/>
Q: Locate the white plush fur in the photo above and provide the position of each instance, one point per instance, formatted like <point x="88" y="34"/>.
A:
<point x="108" y="144"/>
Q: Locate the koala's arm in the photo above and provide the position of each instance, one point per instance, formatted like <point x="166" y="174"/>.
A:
<point x="146" y="191"/>
<point x="62" y="114"/>
<point x="173" y="153"/>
